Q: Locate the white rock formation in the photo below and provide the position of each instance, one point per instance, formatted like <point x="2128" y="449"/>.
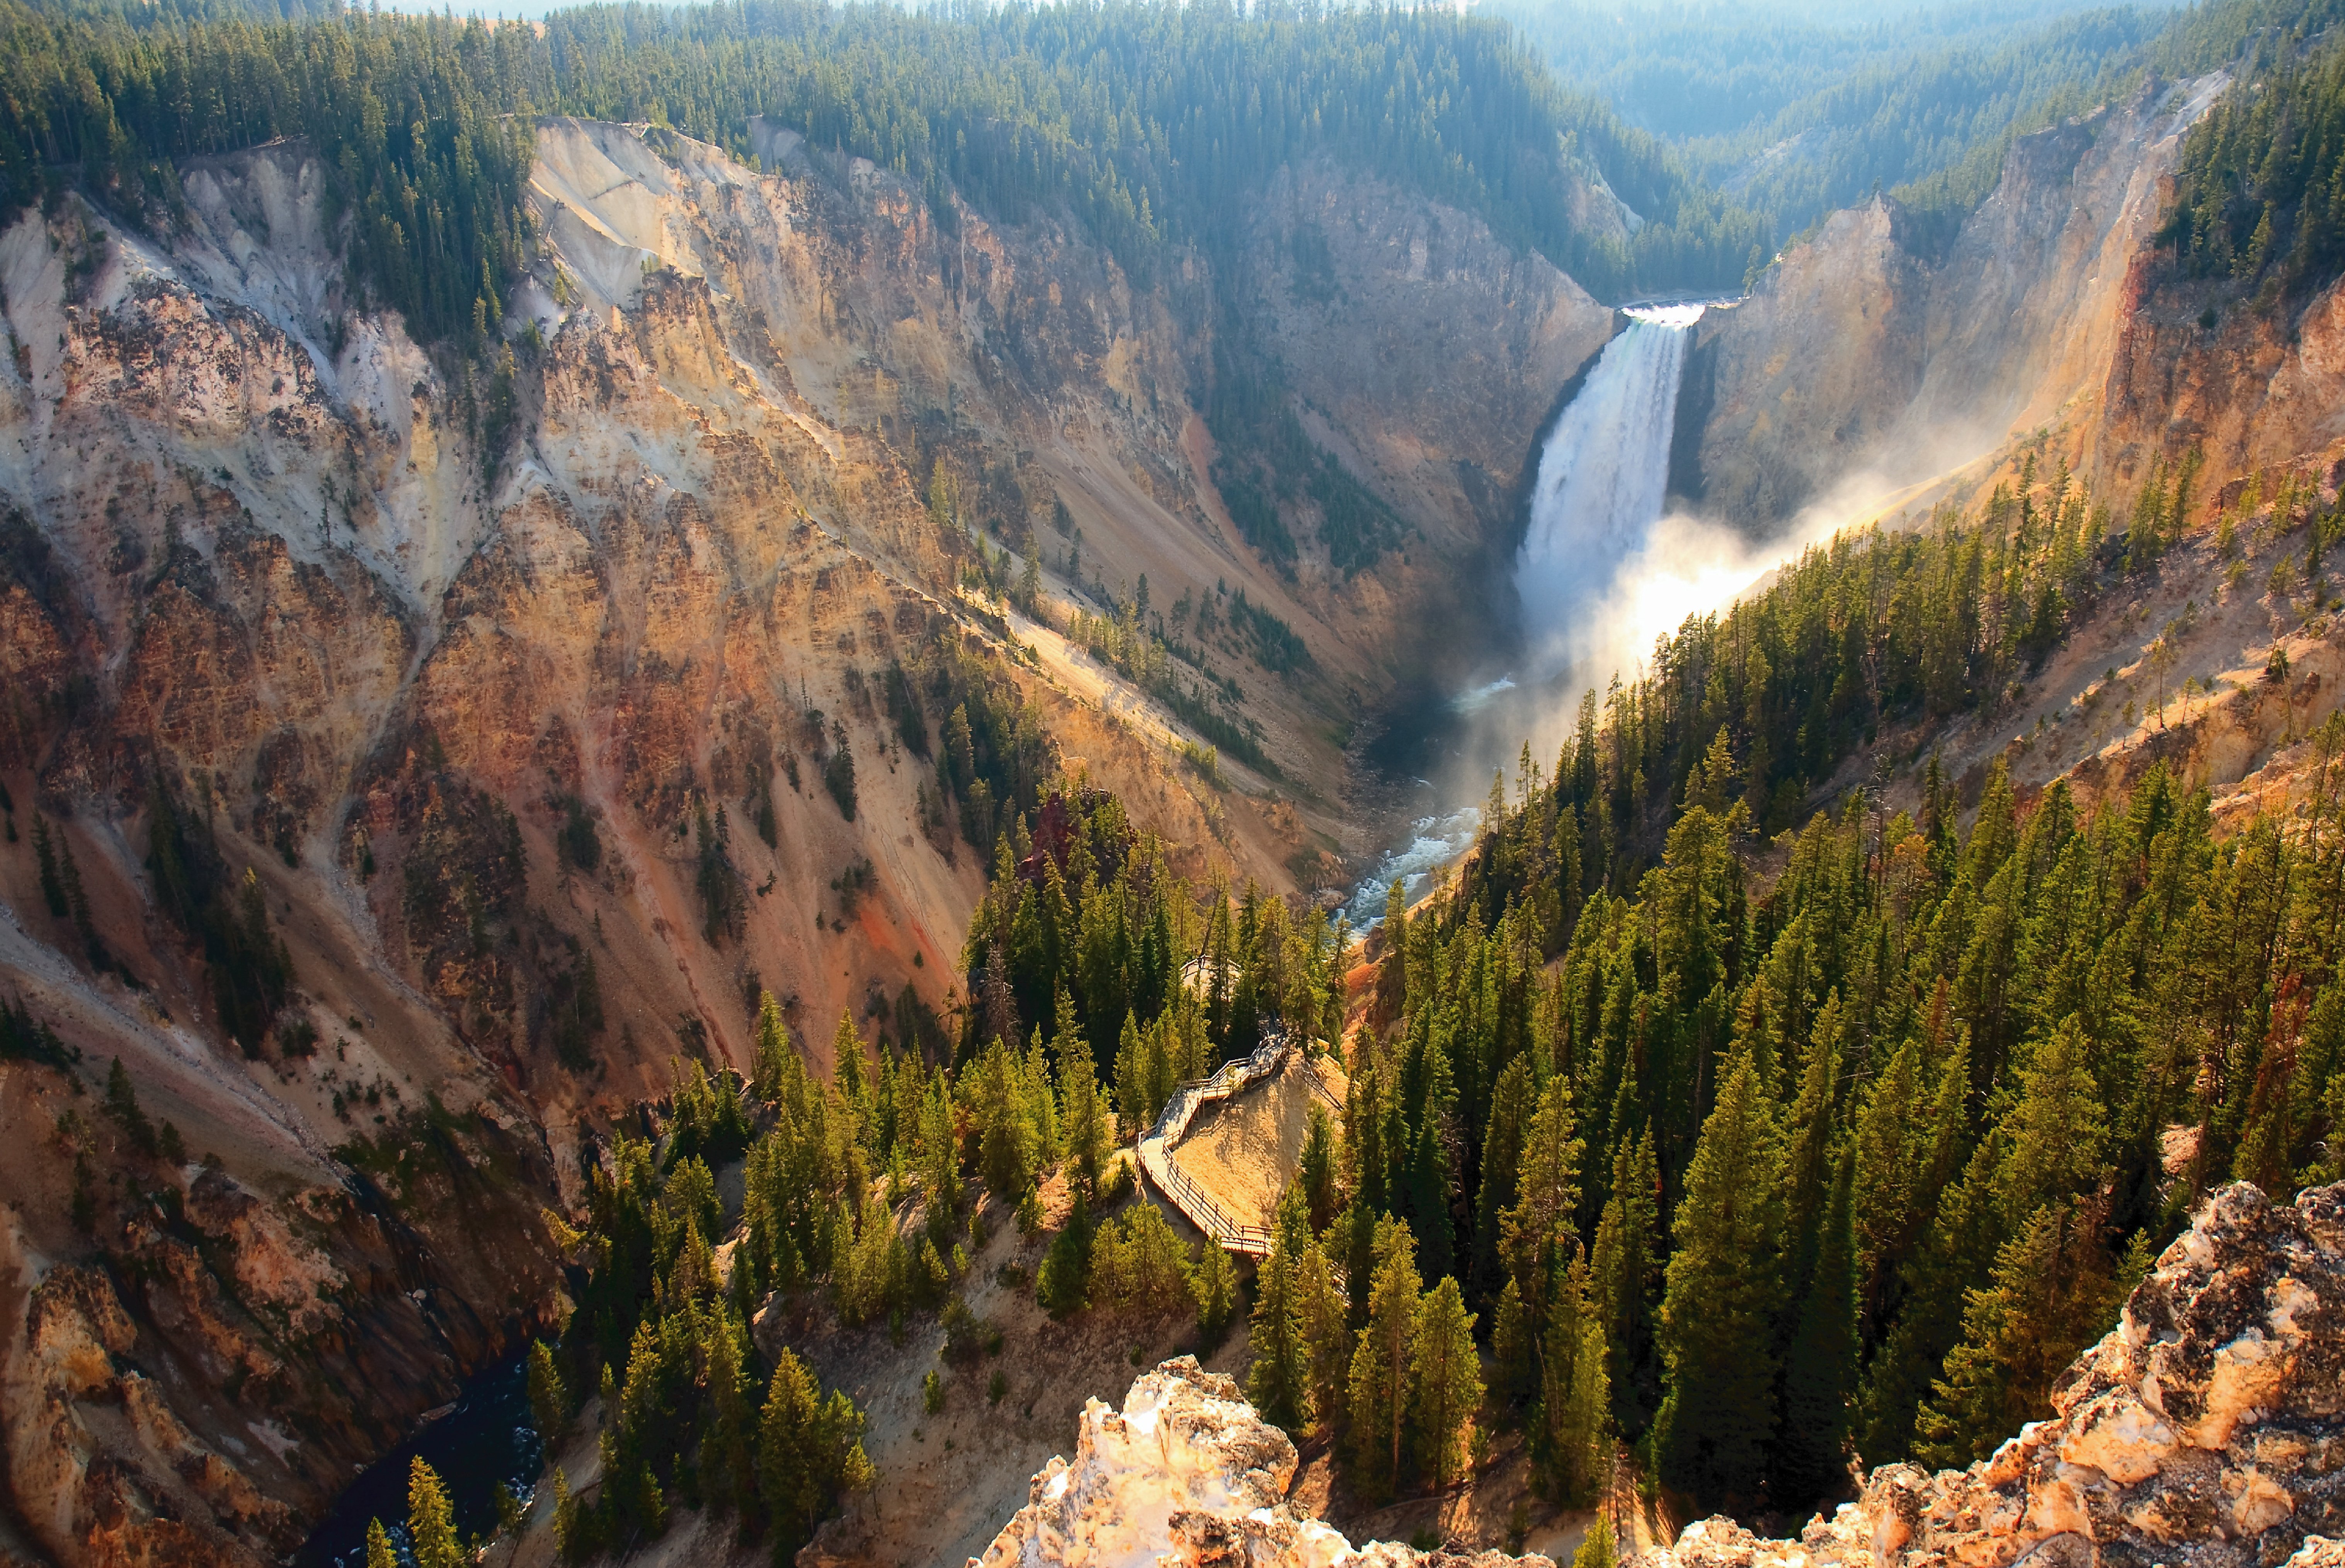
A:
<point x="1186" y="1475"/>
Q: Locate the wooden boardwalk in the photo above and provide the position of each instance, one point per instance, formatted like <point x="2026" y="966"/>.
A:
<point x="1157" y="1144"/>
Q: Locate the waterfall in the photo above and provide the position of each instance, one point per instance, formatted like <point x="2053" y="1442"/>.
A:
<point x="1601" y="480"/>
<point x="1596" y="576"/>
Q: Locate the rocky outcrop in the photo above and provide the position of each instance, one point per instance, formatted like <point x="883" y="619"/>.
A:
<point x="2205" y="1431"/>
<point x="2250" y="383"/>
<point x="1186" y="1475"/>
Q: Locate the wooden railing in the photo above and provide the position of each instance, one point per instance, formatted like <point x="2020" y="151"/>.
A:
<point x="1320" y="1086"/>
<point x="1254" y="1240"/>
<point x="1156" y="1145"/>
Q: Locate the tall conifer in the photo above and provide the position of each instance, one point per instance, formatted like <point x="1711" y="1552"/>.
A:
<point x="431" y="1519"/>
<point x="1810" y="1463"/>
<point x="1625" y="1266"/>
<point x="1717" y="1315"/>
<point x="1378" y="1396"/>
<point x="1279" y="1383"/>
<point x="1445" y="1379"/>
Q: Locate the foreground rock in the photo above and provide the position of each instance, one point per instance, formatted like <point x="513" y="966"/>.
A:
<point x="1186" y="1475"/>
<point x="2207" y="1430"/>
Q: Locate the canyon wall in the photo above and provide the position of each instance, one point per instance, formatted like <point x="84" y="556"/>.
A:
<point x="439" y="749"/>
<point x="1871" y="360"/>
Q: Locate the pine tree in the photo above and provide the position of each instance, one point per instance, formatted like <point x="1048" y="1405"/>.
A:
<point x="631" y="1490"/>
<point x="728" y="1459"/>
<point x="52" y="888"/>
<point x="1570" y="1430"/>
<point x="2056" y="1289"/>
<point x="1429" y="1177"/>
<point x="848" y="1078"/>
<point x="1039" y="1104"/>
<point x="1810" y="1463"/>
<point x="1327" y="1333"/>
<point x="1536" y="1236"/>
<point x="1718" y="1311"/>
<point x="77" y="900"/>
<point x="1378" y="1396"/>
<point x="1316" y="1169"/>
<point x="1954" y="1255"/>
<point x="1392" y="976"/>
<point x="1029" y="580"/>
<point x="1626" y="1260"/>
<point x="789" y="1459"/>
<point x="1890" y="1143"/>
<point x="1513" y="1103"/>
<point x="1215" y="1284"/>
<point x="1082" y="1116"/>
<point x="1279" y="1382"/>
<point x="379" y="1553"/>
<point x="1007" y="1155"/>
<point x="777" y="1065"/>
<point x="1134" y="1106"/>
<point x="940" y="1158"/>
<point x="2056" y="1131"/>
<point x="1062" y="1284"/>
<point x="1807" y="1167"/>
<point x="549" y="1397"/>
<point x="430" y="1521"/>
<point x="1444" y="1378"/>
<point x="1597" y="1551"/>
<point x="2267" y="1133"/>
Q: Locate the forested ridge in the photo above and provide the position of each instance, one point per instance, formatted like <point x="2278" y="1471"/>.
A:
<point x="1793" y="115"/>
<point x="2259" y="199"/>
<point x="1150" y="123"/>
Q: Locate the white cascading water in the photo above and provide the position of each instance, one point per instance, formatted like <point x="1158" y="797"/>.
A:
<point x="1602" y="479"/>
<point x="1601" y="482"/>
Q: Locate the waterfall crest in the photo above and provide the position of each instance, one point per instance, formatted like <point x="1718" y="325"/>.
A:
<point x="1601" y="481"/>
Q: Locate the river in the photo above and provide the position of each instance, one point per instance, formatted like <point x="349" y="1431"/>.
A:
<point x="489" y="1437"/>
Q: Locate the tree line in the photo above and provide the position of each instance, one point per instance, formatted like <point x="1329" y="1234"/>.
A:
<point x="2257" y="195"/>
<point x="1147" y="122"/>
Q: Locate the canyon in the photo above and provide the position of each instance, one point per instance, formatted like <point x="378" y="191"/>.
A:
<point x="473" y="724"/>
<point x="547" y="711"/>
